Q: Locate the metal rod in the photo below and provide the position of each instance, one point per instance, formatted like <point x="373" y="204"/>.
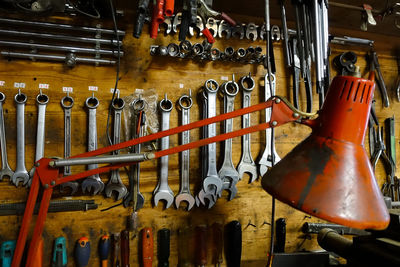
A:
<point x="121" y="158"/>
<point x="60" y="26"/>
<point x="61" y="37"/>
<point x="358" y="8"/>
<point x="71" y="49"/>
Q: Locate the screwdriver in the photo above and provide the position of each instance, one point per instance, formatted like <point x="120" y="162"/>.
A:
<point x="233" y="247"/>
<point x="184" y="259"/>
<point x="7" y="252"/>
<point x="104" y="250"/>
<point x="124" y="248"/>
<point x="217" y="241"/>
<point x="201" y="245"/>
<point x="82" y="252"/>
<point x="60" y="253"/>
<point x="163" y="247"/>
<point x="147" y="247"/>
<point x="116" y="249"/>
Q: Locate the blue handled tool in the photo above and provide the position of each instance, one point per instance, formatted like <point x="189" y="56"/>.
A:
<point x="7" y="252"/>
<point x="59" y="258"/>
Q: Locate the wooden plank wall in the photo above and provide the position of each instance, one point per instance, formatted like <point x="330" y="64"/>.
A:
<point x="140" y="70"/>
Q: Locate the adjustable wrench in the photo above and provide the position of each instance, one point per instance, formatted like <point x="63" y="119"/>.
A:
<point x="247" y="164"/>
<point x="266" y="160"/>
<point x="5" y="168"/>
<point x="115" y="183"/>
<point x="20" y="174"/>
<point x="185" y="103"/>
<point x="212" y="183"/>
<point x="228" y="173"/>
<point x="163" y="191"/>
<point x="93" y="182"/>
<point x="67" y="103"/>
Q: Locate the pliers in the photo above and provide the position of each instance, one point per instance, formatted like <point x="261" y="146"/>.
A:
<point x="374" y="63"/>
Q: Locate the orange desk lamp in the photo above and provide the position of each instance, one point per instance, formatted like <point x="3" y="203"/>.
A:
<point x="328" y="175"/>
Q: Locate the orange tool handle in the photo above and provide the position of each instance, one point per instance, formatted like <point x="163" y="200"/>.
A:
<point x="169" y="8"/>
<point x="124" y="248"/>
<point x="147" y="247"/>
<point x="201" y="245"/>
<point x="208" y="35"/>
<point x="159" y="11"/>
<point x="38" y="262"/>
<point x="154" y="23"/>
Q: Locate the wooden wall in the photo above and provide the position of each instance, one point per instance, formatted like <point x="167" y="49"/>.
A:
<point x="140" y="70"/>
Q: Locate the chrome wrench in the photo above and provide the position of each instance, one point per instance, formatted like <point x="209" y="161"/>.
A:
<point x="20" y="174"/>
<point x="185" y="103"/>
<point x="93" y="182"/>
<point x="163" y="191"/>
<point x="5" y="167"/>
<point x="247" y="164"/>
<point x="115" y="183"/>
<point x="228" y="173"/>
<point x="67" y="102"/>
<point x="266" y="160"/>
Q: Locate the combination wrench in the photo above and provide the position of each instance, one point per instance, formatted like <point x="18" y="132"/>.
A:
<point x="247" y="164"/>
<point x="5" y="167"/>
<point x="67" y="102"/>
<point x="266" y="160"/>
<point x="185" y="103"/>
<point x="163" y="191"/>
<point x="115" y="183"/>
<point x="93" y="182"/>
<point x="228" y="174"/>
<point x="20" y="174"/>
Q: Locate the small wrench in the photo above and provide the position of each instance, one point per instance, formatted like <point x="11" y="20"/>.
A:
<point x="247" y="164"/>
<point x="115" y="182"/>
<point x="185" y="103"/>
<point x="67" y="103"/>
<point x="266" y="160"/>
<point x="20" y="174"/>
<point x="93" y="182"/>
<point x="5" y="167"/>
<point x="163" y="191"/>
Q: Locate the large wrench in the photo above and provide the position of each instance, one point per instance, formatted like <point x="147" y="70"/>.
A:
<point x="20" y="174"/>
<point x="185" y="103"/>
<point x="93" y="182"/>
<point x="266" y="160"/>
<point x="163" y="191"/>
<point x="212" y="183"/>
<point x="228" y="173"/>
<point x="5" y="167"/>
<point x="67" y="102"/>
<point x="115" y="183"/>
<point x="247" y="164"/>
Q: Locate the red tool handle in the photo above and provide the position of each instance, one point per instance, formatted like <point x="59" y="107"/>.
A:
<point x="124" y="248"/>
<point x="147" y="247"/>
<point x="160" y="11"/>
<point x="169" y="8"/>
<point x="208" y="35"/>
<point x="201" y="245"/>
<point x="38" y="262"/>
<point x="228" y="19"/>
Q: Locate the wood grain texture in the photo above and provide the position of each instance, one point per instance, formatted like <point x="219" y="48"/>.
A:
<point x="140" y="70"/>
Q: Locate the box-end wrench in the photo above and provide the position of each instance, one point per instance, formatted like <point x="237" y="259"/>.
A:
<point x="67" y="102"/>
<point x="41" y="101"/>
<point x="20" y="174"/>
<point x="228" y="173"/>
<point x="5" y="167"/>
<point x="163" y="191"/>
<point x="212" y="183"/>
<point x="185" y="103"/>
<point x="115" y="183"/>
<point x="266" y="160"/>
<point x="92" y="183"/>
<point x="247" y="164"/>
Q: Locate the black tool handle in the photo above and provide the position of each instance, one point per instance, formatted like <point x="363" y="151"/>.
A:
<point x="280" y="232"/>
<point x="163" y="247"/>
<point x="233" y="247"/>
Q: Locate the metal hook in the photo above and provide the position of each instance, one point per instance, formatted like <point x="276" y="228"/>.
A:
<point x="190" y="93"/>
<point x="40" y="92"/>
<point x="19" y="91"/>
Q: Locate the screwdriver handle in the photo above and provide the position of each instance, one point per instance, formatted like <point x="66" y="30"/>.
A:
<point x="184" y="257"/>
<point x="7" y="252"/>
<point x="60" y="258"/>
<point x="280" y="233"/>
<point x="147" y="247"/>
<point x="82" y="252"/>
<point x="217" y="242"/>
<point x="124" y="248"/>
<point x="201" y="245"/>
<point x="233" y="243"/>
<point x="163" y="247"/>
<point x="104" y="250"/>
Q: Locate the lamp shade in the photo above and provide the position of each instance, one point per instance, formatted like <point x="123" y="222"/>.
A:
<point x="329" y="174"/>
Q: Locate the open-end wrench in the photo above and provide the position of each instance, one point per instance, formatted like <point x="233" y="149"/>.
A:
<point x="212" y="183"/>
<point x="266" y="160"/>
<point x="67" y="103"/>
<point x="163" y="191"/>
<point x="20" y="174"/>
<point x="202" y="196"/>
<point x="5" y="167"/>
<point x="185" y="103"/>
<point x="92" y="183"/>
<point x="115" y="183"/>
<point x="228" y="173"/>
<point x="41" y="100"/>
<point x="247" y="164"/>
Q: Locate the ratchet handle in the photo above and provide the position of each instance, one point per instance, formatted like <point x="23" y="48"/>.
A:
<point x="147" y="247"/>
